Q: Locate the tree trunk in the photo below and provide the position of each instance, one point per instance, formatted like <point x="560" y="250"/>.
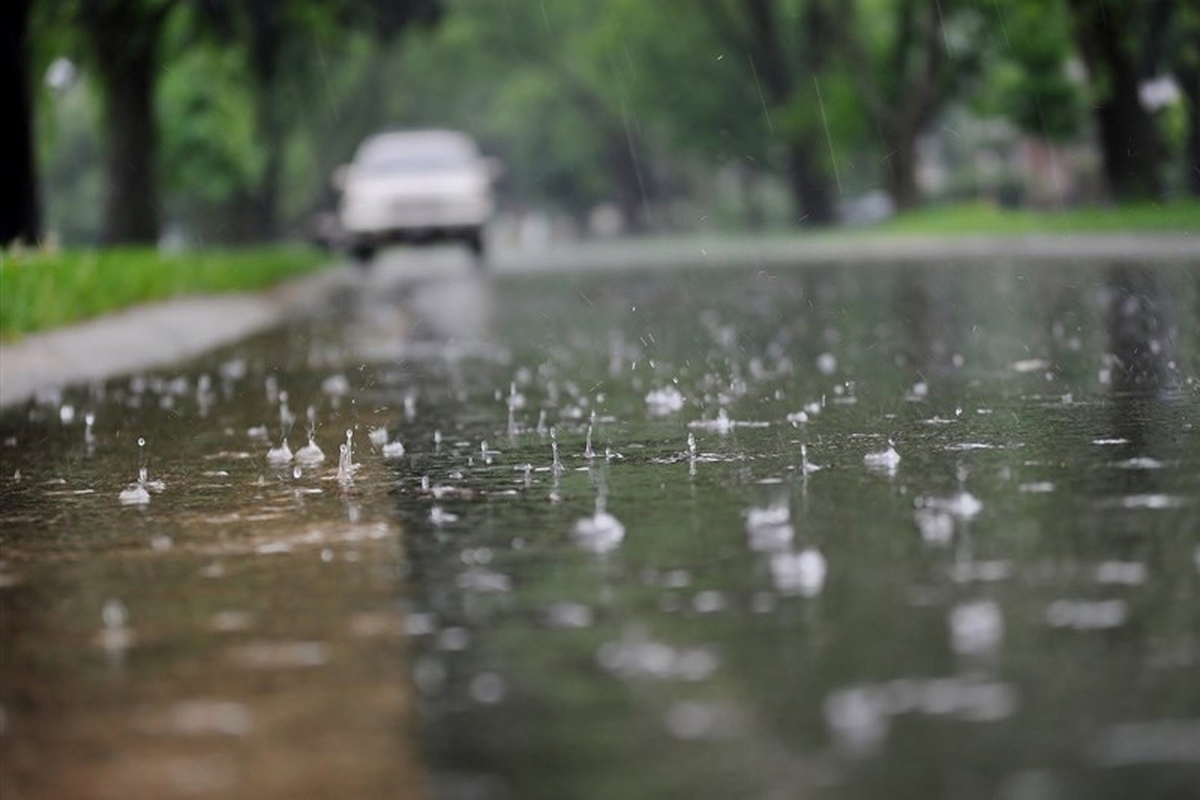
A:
<point x="901" y="177"/>
<point x="777" y="76"/>
<point x="809" y="185"/>
<point x="266" y="35"/>
<point x="266" y="204"/>
<point x="125" y="41"/>
<point x="629" y="181"/>
<point x="20" y="219"/>
<point x="1130" y="148"/>
<point x="754" y="216"/>
<point x="1189" y="80"/>
<point x="1129" y="145"/>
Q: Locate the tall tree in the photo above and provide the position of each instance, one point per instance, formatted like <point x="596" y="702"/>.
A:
<point x="278" y="37"/>
<point x="906" y="72"/>
<point x="1111" y="37"/>
<point x="1028" y="79"/>
<point x="124" y="41"/>
<point x="20" y="218"/>
<point x="787" y="50"/>
<point x="1187" y="73"/>
<point x="1178" y="23"/>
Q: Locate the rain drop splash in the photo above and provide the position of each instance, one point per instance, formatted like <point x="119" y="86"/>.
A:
<point x="637" y="656"/>
<point x="134" y="495"/>
<point x="115" y="635"/>
<point x="310" y="455"/>
<point x="279" y="456"/>
<point x="516" y="400"/>
<point x="393" y="450"/>
<point x="936" y="526"/>
<point x="859" y="717"/>
<point x="722" y="424"/>
<point x="336" y="386"/>
<point x="770" y="529"/>
<point x="976" y="628"/>
<point x="137" y="494"/>
<point x="661" y="402"/>
<point x="964" y="506"/>
<point x="827" y="363"/>
<point x="601" y="532"/>
<point x="883" y="460"/>
<point x="806" y="466"/>
<point x="556" y="465"/>
<point x="283" y="453"/>
<point x="89" y="419"/>
<point x="439" y="516"/>
<point x="588" y="452"/>
<point x="142" y="472"/>
<point x="390" y="450"/>
<point x="1087" y="615"/>
<point x="801" y="573"/>
<point x="346" y="465"/>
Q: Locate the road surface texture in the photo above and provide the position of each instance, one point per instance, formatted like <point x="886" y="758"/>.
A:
<point x="163" y="333"/>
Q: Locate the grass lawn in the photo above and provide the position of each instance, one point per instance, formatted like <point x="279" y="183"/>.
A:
<point x="39" y="291"/>
<point x="1181" y="216"/>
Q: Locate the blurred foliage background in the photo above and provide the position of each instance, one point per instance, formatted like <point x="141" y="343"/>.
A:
<point x="220" y="121"/>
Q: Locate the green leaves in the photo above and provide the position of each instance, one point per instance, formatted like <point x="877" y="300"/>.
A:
<point x="1028" y="79"/>
<point x="210" y="149"/>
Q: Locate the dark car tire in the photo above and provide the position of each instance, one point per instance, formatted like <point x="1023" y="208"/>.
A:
<point x="362" y="253"/>
<point x="474" y="243"/>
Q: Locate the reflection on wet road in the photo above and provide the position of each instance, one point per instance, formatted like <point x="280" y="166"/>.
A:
<point x="844" y="531"/>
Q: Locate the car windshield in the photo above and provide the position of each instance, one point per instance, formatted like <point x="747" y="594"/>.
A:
<point x="415" y="154"/>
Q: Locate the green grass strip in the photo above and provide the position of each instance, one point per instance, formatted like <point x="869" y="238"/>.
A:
<point x="1181" y="216"/>
<point x="39" y="291"/>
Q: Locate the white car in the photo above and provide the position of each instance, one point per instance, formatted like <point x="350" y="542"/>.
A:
<point x="415" y="186"/>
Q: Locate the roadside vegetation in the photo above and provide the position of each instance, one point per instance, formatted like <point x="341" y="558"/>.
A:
<point x="43" y="290"/>
<point x="1180" y="216"/>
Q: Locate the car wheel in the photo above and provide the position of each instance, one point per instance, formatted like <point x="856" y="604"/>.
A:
<point x="474" y="242"/>
<point x="362" y="254"/>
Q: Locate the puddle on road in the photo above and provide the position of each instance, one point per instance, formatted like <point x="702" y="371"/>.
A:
<point x="833" y="532"/>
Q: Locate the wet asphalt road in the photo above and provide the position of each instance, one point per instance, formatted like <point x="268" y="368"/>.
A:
<point x="161" y="334"/>
<point x="656" y="593"/>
